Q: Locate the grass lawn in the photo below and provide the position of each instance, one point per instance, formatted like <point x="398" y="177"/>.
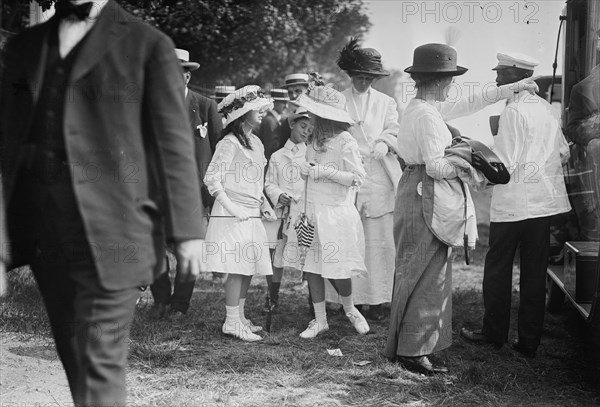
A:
<point x="189" y="362"/>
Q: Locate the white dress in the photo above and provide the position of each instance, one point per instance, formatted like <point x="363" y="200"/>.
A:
<point x="377" y="120"/>
<point x="338" y="248"/>
<point x="233" y="246"/>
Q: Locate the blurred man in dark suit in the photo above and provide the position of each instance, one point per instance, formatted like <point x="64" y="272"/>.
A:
<point x="206" y="126"/>
<point x="98" y="172"/>
<point x="272" y="124"/>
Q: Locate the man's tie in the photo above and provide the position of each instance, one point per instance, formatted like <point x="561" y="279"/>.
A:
<point x="64" y="8"/>
<point x="295" y="148"/>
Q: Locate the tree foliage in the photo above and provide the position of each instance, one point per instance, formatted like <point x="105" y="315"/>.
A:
<point x="250" y="41"/>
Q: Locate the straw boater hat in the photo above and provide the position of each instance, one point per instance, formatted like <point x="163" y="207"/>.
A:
<point x="325" y="102"/>
<point x="295" y="79"/>
<point x="221" y="91"/>
<point x="515" y="60"/>
<point x="435" y="58"/>
<point x="280" y="94"/>
<point x="355" y="60"/>
<point x="184" y="58"/>
<point x="299" y="113"/>
<point x="242" y="101"/>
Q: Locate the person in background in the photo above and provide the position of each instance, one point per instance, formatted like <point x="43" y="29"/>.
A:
<point x="375" y="132"/>
<point x="531" y="144"/>
<point x="285" y="187"/>
<point x="205" y="125"/>
<point x="421" y="315"/>
<point x="270" y="132"/>
<point x="333" y="169"/>
<point x="236" y="239"/>
<point x="96" y="182"/>
<point x="296" y="85"/>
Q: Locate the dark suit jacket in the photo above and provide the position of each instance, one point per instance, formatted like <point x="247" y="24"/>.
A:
<point x="204" y="110"/>
<point x="270" y="134"/>
<point x="124" y="117"/>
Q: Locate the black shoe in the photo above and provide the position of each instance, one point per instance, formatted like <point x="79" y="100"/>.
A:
<point x="158" y="310"/>
<point x="527" y="351"/>
<point x="476" y="336"/>
<point x="421" y="364"/>
<point x="375" y="313"/>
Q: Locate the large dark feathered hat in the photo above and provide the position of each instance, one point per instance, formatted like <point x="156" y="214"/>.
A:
<point x="355" y="60"/>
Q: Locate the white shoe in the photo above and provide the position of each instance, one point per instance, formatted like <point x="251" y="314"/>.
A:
<point x="241" y="331"/>
<point x="314" y="328"/>
<point x="359" y="322"/>
<point x="253" y="328"/>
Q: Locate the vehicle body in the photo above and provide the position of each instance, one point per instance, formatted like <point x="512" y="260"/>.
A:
<point x="581" y="55"/>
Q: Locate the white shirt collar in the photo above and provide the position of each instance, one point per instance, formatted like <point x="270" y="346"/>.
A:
<point x="289" y="144"/>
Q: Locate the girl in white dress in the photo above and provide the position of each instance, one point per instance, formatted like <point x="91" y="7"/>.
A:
<point x="236" y="241"/>
<point x="333" y="167"/>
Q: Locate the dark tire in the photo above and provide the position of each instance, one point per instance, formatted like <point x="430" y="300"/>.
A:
<point x="555" y="297"/>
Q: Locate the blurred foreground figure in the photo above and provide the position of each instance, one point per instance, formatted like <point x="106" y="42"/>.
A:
<point x="98" y="167"/>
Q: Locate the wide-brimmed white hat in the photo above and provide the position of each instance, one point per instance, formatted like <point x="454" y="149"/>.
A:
<point x="184" y="58"/>
<point x="242" y="101"/>
<point x="325" y="102"/>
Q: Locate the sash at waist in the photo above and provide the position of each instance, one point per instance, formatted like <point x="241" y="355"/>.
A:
<point x="243" y="199"/>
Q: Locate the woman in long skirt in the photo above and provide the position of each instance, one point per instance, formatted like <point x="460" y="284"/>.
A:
<point x="421" y="315"/>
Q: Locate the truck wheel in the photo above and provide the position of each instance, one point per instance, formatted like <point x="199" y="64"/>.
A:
<point x="555" y="297"/>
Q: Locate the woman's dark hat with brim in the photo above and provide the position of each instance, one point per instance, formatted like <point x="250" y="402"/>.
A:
<point x="435" y="58"/>
<point x="355" y="60"/>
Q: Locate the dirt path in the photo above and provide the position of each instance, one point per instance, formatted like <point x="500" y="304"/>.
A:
<point x="31" y="374"/>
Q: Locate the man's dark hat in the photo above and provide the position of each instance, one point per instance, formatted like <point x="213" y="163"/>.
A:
<point x="355" y="60"/>
<point x="435" y="58"/>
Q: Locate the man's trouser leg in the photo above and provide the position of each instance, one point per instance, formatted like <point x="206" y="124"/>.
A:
<point x="90" y="324"/>
<point x="535" y="244"/>
<point x="497" y="279"/>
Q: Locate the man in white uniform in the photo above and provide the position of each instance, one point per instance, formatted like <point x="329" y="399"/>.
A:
<point x="531" y="145"/>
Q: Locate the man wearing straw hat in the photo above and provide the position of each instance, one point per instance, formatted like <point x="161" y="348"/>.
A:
<point x="270" y="132"/>
<point x="206" y="127"/>
<point x="296" y="85"/>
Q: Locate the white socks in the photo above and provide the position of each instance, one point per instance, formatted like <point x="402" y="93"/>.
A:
<point x="233" y="314"/>
<point x="348" y="304"/>
<point x="242" y="312"/>
<point x="320" y="312"/>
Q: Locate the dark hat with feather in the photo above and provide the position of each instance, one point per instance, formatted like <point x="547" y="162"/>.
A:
<point x="355" y="60"/>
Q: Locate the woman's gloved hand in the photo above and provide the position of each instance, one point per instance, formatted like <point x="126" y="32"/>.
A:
<point x="496" y="173"/>
<point x="235" y="210"/>
<point x="380" y="150"/>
